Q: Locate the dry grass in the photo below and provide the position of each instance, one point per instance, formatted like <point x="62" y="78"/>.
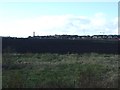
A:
<point x="90" y="70"/>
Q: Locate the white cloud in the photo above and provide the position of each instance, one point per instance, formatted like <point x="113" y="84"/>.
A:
<point x="98" y="20"/>
<point x="60" y="24"/>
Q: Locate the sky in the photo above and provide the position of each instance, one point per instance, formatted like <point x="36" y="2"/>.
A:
<point x="21" y="19"/>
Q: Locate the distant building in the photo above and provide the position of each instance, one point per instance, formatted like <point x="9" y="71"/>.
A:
<point x="33" y="34"/>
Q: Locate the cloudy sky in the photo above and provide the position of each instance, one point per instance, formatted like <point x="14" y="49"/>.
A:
<point x="21" y="19"/>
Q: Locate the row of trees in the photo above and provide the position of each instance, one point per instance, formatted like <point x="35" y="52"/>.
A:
<point x="71" y="37"/>
<point x="76" y="37"/>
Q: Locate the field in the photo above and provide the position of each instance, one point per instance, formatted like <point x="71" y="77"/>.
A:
<point x="46" y="70"/>
<point x="60" y="46"/>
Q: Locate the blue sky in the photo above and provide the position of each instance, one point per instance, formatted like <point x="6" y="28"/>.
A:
<point x="57" y="8"/>
<point x="48" y="18"/>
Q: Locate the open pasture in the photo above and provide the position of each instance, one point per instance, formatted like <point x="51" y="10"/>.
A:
<point x="46" y="70"/>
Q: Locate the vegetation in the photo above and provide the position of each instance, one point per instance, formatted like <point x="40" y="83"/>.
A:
<point x="89" y="70"/>
<point x="61" y="46"/>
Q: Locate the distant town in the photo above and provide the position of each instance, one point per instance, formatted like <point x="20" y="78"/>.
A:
<point x="72" y="37"/>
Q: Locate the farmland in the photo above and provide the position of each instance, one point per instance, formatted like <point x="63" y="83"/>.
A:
<point x="46" y="70"/>
<point x="61" y="46"/>
<point x="53" y="63"/>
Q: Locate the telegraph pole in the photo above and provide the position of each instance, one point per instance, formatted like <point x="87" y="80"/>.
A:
<point x="102" y="33"/>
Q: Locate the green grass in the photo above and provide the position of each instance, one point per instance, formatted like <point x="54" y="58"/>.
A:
<point x="90" y="70"/>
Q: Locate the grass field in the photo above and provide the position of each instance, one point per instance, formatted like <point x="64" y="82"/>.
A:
<point x="89" y="70"/>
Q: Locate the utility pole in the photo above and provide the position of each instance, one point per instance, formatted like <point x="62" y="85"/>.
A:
<point x="102" y="33"/>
